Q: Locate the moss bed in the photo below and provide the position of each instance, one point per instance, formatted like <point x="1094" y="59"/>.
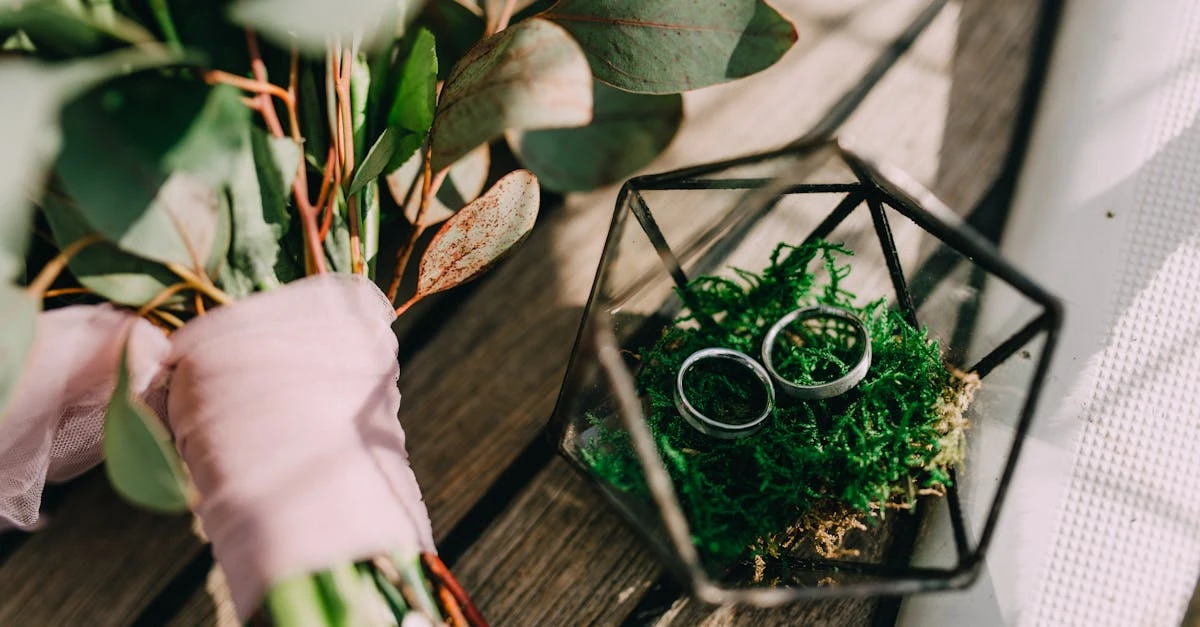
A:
<point x="817" y="468"/>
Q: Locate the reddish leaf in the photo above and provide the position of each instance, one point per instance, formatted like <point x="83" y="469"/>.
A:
<point x="480" y="234"/>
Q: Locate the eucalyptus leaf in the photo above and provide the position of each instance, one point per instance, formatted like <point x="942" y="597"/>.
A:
<point x="112" y="273"/>
<point x="411" y="101"/>
<point x="259" y="202"/>
<point x="222" y="238"/>
<point x="626" y="132"/>
<point x="670" y="46"/>
<point x="378" y="158"/>
<point x="57" y="31"/>
<point x="337" y="242"/>
<point x="314" y="23"/>
<point x="415" y="96"/>
<point x="18" y="318"/>
<point x="463" y="184"/>
<point x="530" y="76"/>
<point x="480" y="235"/>
<point x="456" y="30"/>
<point x="32" y="96"/>
<point x="371" y="212"/>
<point x="141" y="461"/>
<point x="167" y="207"/>
<point x="360" y="90"/>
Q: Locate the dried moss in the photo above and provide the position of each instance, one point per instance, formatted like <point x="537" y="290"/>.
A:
<point x="879" y="446"/>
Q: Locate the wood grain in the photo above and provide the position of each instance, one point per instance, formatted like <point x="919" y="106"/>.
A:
<point x="98" y="562"/>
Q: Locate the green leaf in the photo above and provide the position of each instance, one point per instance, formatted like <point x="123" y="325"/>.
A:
<point x="530" y="76"/>
<point x="669" y="46"/>
<point x="116" y="275"/>
<point x="412" y="101"/>
<point x="462" y="185"/>
<point x="152" y="188"/>
<point x="480" y="235"/>
<point x="378" y="158"/>
<point x="360" y="89"/>
<point x="314" y="23"/>
<point x="30" y="100"/>
<point x="203" y="25"/>
<point x="259" y="198"/>
<point x="626" y="133"/>
<point x="141" y="461"/>
<point x="456" y="30"/>
<point x="59" y="32"/>
<point x="415" y="95"/>
<point x="18" y="320"/>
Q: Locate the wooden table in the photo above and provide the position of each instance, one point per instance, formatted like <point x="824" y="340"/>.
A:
<point x="481" y="367"/>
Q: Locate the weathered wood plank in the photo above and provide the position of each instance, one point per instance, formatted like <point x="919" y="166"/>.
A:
<point x="98" y="562"/>
<point x="557" y="518"/>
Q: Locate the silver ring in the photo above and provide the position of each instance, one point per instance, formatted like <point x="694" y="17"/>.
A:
<point x="828" y="389"/>
<point x="709" y="425"/>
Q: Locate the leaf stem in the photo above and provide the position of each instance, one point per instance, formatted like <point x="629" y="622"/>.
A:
<point x="343" y="89"/>
<point x="314" y="255"/>
<point x="259" y="68"/>
<point x="429" y="185"/>
<point x="162" y="297"/>
<point x="292" y="100"/>
<point x="324" y="198"/>
<point x="66" y="291"/>
<point x="162" y="15"/>
<point x="451" y="607"/>
<point x="415" y="587"/>
<point x="45" y="278"/>
<point x="407" y="304"/>
<point x="506" y="14"/>
<point x="214" y="77"/>
<point x="169" y="318"/>
<point x="200" y="284"/>
<point x="295" y="602"/>
<point x="356" y="260"/>
<point x="444" y="578"/>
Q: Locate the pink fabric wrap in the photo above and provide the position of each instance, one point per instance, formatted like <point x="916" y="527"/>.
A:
<point x="283" y="406"/>
<point x="52" y="430"/>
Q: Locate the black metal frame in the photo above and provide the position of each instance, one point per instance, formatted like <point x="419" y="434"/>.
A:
<point x="973" y="239"/>
<point x="876" y="191"/>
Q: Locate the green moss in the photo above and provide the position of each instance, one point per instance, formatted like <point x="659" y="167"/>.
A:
<point x="879" y="444"/>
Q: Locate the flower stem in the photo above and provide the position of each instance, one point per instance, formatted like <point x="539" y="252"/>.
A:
<point x="55" y="266"/>
<point x="296" y="602"/>
<point x="200" y="284"/>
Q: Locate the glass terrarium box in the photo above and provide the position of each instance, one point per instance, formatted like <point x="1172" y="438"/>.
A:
<point x="799" y="375"/>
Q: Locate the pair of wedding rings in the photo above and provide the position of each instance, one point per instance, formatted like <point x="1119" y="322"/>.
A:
<point x="767" y="377"/>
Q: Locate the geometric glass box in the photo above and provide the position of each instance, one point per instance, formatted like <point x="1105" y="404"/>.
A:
<point x="988" y="318"/>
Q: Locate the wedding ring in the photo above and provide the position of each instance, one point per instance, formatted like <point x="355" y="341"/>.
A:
<point x="827" y="389"/>
<point x="725" y="427"/>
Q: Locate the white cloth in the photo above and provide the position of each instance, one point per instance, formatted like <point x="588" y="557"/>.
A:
<point x="1102" y="525"/>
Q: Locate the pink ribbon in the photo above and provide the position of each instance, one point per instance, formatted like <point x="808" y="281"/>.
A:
<point x="283" y="406"/>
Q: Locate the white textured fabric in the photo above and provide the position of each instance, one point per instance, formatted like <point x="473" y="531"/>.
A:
<point x="1102" y="521"/>
<point x="1128" y="546"/>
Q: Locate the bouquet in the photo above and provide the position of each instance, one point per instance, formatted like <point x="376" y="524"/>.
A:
<point x="192" y="204"/>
